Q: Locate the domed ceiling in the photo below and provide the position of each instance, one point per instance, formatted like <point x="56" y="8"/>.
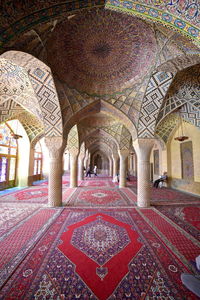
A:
<point x="101" y="52"/>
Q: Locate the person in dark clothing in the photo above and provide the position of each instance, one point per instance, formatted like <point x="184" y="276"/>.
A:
<point x="88" y="172"/>
<point x="160" y="179"/>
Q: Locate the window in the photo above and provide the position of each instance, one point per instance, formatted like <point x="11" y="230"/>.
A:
<point x="37" y="159"/>
<point x="8" y="157"/>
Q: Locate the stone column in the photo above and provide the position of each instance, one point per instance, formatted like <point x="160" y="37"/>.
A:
<point x="81" y="167"/>
<point x="131" y="164"/>
<point x="73" y="168"/>
<point x="54" y="145"/>
<point x="110" y="167"/>
<point x="31" y="166"/>
<point x="123" y="154"/>
<point x="135" y="165"/>
<point x="115" y="158"/>
<point x="143" y="149"/>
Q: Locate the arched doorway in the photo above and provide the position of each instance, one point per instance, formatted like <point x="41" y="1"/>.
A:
<point x="8" y="157"/>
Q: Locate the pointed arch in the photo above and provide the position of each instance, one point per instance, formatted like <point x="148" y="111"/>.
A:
<point x="42" y="82"/>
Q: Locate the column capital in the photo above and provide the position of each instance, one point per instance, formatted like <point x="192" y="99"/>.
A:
<point x="115" y="155"/>
<point x="54" y="145"/>
<point x="143" y="147"/>
<point x="74" y="152"/>
<point x="123" y="153"/>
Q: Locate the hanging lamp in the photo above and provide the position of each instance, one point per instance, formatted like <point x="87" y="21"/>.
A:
<point x="181" y="137"/>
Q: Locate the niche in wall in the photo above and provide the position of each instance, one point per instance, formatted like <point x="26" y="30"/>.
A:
<point x="156" y="162"/>
<point x="187" y="164"/>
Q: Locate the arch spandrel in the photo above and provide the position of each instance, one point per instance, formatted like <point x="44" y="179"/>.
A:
<point x="43" y="85"/>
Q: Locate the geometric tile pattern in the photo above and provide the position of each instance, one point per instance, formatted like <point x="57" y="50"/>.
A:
<point x="15" y="85"/>
<point x="125" y="139"/>
<point x="167" y="126"/>
<point x="9" y="109"/>
<point x="43" y="85"/>
<point x="155" y="93"/>
<point x="73" y="139"/>
<point x="97" y="65"/>
<point x="174" y="14"/>
<point x="128" y="101"/>
<point x="20" y="19"/>
<point x="31" y="124"/>
<point x="101" y="142"/>
<point x="190" y="114"/>
<point x="184" y="89"/>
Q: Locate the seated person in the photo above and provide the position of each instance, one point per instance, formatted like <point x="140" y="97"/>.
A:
<point x="128" y="176"/>
<point x="160" y="179"/>
<point x="192" y="282"/>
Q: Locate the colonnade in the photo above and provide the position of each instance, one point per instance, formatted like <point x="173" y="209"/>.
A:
<point x="136" y="163"/>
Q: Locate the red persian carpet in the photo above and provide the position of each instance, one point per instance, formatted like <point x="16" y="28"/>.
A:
<point x="101" y="197"/>
<point x="97" y="183"/>
<point x="167" y="196"/>
<point x="185" y="216"/>
<point x="105" y="254"/>
<point x="18" y="240"/>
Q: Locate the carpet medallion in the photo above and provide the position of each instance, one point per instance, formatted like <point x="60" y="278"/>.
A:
<point x="31" y="195"/>
<point x="96" y="197"/>
<point x="98" y="183"/>
<point x="99" y="254"/>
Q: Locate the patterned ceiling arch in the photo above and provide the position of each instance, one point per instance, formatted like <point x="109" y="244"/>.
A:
<point x="98" y="143"/>
<point x="10" y="109"/>
<point x="184" y="19"/>
<point x="184" y="89"/>
<point x="102" y="148"/>
<point x="15" y="85"/>
<point x="156" y="92"/>
<point x="96" y="107"/>
<point x="43" y="84"/>
<point x="100" y="132"/>
<point x="73" y="139"/>
<point x="21" y="18"/>
<point x="179" y="63"/>
<point x="36" y="139"/>
<point x="82" y="149"/>
<point x="166" y="128"/>
<point x="125" y="139"/>
<point x="32" y="125"/>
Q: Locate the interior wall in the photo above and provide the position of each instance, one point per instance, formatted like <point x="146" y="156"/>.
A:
<point x="162" y="160"/>
<point x="176" y="180"/>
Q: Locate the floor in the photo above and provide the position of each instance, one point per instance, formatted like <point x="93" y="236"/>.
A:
<point x="99" y="244"/>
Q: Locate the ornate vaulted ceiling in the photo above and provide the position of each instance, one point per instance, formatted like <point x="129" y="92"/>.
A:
<point x="107" y="61"/>
<point x="101" y="52"/>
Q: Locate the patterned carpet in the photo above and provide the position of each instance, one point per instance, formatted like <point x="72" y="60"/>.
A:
<point x="166" y="196"/>
<point x="101" y="197"/>
<point x="100" y="246"/>
<point x="17" y="241"/>
<point x="32" y="195"/>
<point x="97" y="183"/>
<point x="81" y="250"/>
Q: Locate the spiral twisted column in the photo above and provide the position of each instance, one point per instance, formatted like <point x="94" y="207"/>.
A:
<point x="55" y="147"/>
<point x="143" y="149"/>
<point x="73" y="168"/>
<point x="123" y="154"/>
<point x="115" y="158"/>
